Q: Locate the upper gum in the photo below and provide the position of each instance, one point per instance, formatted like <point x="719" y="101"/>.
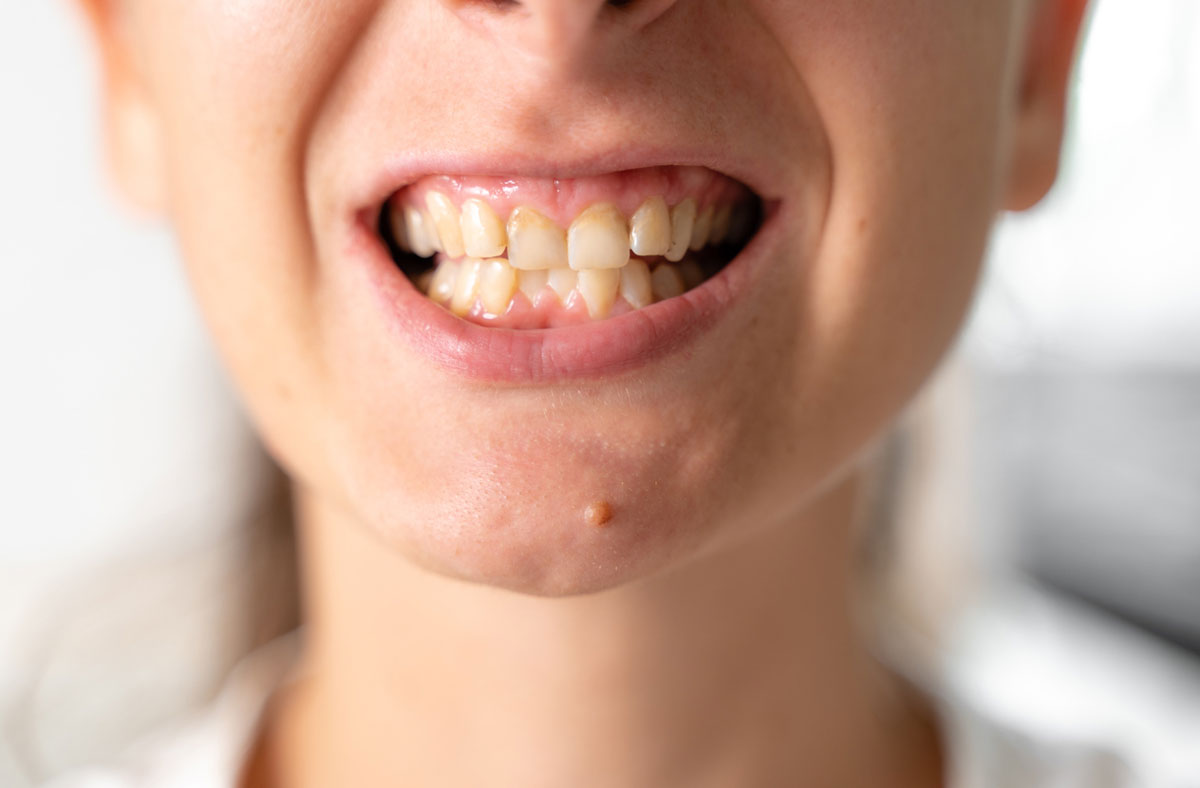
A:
<point x="562" y="201"/>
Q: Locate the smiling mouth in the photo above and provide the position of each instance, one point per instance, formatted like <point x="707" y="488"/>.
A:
<point x="536" y="253"/>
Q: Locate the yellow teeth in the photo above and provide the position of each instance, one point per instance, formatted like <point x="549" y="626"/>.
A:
<point x="683" y="216"/>
<point x="532" y="282"/>
<point x="482" y="231"/>
<point x="445" y="219"/>
<point x="534" y="241"/>
<point x="598" y="239"/>
<point x="650" y="228"/>
<point x="466" y="286"/>
<point x="635" y="284"/>
<point x="701" y="229"/>
<point x="497" y="283"/>
<point x="418" y="232"/>
<point x="666" y="282"/>
<point x="562" y="281"/>
<point x="598" y="286"/>
<point x="720" y="225"/>
<point x="441" y="288"/>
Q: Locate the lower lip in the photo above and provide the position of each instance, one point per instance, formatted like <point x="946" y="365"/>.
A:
<point x="594" y="350"/>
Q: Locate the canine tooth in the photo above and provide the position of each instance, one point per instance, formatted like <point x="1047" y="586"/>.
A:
<point x="466" y="286"/>
<point x="598" y="286"/>
<point x="562" y="281"/>
<point x="666" y="281"/>
<point x="417" y="230"/>
<point x="683" y="216"/>
<point x="445" y="219"/>
<point x="497" y="282"/>
<point x="532" y="282"/>
<point x="635" y="284"/>
<point x="482" y="231"/>
<point x="691" y="273"/>
<point x="701" y="228"/>
<point x="598" y="238"/>
<point x="534" y="241"/>
<point x="650" y="228"/>
<point x="720" y="224"/>
<point x="441" y="289"/>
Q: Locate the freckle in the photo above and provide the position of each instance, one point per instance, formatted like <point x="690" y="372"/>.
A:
<point x="598" y="514"/>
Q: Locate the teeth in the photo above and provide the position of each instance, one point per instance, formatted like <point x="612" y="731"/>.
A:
<point x="534" y="241"/>
<point x="720" y="225"/>
<point x="666" y="282"/>
<point x="598" y="286"/>
<point x="417" y="231"/>
<point x="532" y="282"/>
<point x="701" y="229"/>
<point x="497" y="282"/>
<point x="466" y="286"/>
<point x="441" y="289"/>
<point x="445" y="219"/>
<point x="690" y="272"/>
<point x="482" y="231"/>
<point x="635" y="284"/>
<point x="562" y="281"/>
<point x="650" y="228"/>
<point x="683" y="216"/>
<point x="598" y="238"/>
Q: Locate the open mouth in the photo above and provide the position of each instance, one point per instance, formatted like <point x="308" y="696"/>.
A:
<point x="536" y="253"/>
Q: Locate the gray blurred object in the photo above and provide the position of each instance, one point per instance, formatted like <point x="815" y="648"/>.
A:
<point x="1086" y="343"/>
<point x="142" y="550"/>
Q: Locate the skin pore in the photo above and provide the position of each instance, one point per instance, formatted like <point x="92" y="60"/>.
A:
<point x="469" y="618"/>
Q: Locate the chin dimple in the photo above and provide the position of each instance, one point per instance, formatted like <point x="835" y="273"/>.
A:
<point x="519" y="268"/>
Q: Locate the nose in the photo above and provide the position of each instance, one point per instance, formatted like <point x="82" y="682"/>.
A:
<point x="559" y="33"/>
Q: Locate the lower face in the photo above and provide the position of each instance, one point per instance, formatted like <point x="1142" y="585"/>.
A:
<point x="556" y="325"/>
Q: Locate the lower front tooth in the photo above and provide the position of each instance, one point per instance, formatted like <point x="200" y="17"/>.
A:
<point x="532" y="282"/>
<point x="635" y="284"/>
<point x="666" y="281"/>
<point x="599" y="289"/>
<point x="497" y="282"/>
<point x="466" y="286"/>
<point x="441" y="289"/>
<point x="562" y="281"/>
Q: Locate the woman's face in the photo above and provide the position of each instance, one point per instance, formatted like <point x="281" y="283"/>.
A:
<point x="872" y="133"/>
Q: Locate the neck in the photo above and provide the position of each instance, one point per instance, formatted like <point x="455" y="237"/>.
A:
<point x="741" y="668"/>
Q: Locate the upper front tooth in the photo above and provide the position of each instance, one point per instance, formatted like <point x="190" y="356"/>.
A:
<point x="701" y="229"/>
<point x="650" y="228"/>
<point x="598" y="238"/>
<point x="445" y="218"/>
<point x="720" y="224"/>
<point x="534" y="241"/>
<point x="482" y="231"/>
<point x="683" y="216"/>
<point x="417" y="231"/>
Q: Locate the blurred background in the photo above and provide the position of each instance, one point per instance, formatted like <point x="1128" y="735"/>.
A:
<point x="140" y="514"/>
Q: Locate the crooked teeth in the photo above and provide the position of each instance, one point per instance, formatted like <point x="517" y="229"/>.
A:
<point x="666" y="281"/>
<point x="466" y="286"/>
<point x="562" y="281"/>
<point x="701" y="229"/>
<point x="683" y="216"/>
<point x="418" y="232"/>
<point x="635" y="284"/>
<point x="598" y="239"/>
<point x="445" y="219"/>
<point x="534" y="241"/>
<point x="650" y="228"/>
<point x="497" y="283"/>
<point x="482" y="231"/>
<point x="598" y="286"/>
<point x="532" y="282"/>
<point x="441" y="288"/>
